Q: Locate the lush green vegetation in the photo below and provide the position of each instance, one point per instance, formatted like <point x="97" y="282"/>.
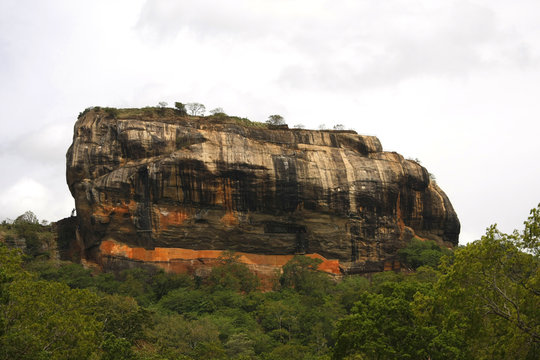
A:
<point x="422" y="253"/>
<point x="28" y="233"/>
<point x="479" y="302"/>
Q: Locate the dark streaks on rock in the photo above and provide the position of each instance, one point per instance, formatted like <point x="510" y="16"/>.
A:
<point x="216" y="185"/>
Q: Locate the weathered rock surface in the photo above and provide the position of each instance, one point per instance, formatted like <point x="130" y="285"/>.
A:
<point x="152" y="183"/>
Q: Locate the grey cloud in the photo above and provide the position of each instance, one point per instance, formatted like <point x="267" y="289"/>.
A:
<point x="350" y="45"/>
<point x="47" y="145"/>
<point x="164" y="19"/>
<point x="455" y="45"/>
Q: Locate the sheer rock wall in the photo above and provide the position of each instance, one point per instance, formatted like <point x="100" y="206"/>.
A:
<point x="216" y="184"/>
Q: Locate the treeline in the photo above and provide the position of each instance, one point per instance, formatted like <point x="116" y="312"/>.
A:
<point x="479" y="302"/>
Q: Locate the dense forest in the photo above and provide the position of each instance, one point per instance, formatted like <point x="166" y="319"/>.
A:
<point x="479" y="301"/>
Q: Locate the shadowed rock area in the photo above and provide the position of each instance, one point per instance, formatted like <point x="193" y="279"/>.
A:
<point x="146" y="181"/>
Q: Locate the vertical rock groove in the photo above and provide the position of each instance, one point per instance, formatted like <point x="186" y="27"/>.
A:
<point x="209" y="184"/>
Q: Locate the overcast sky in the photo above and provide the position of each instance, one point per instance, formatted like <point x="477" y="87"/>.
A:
<point x="455" y="84"/>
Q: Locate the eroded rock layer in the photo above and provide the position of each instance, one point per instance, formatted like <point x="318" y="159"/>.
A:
<point x="218" y="184"/>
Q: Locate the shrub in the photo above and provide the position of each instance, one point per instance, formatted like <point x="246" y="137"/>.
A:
<point x="180" y="109"/>
<point x="111" y="112"/>
<point x="422" y="253"/>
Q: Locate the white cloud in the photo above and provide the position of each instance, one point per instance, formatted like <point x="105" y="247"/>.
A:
<point x="347" y="45"/>
<point x="47" y="145"/>
<point x="29" y="194"/>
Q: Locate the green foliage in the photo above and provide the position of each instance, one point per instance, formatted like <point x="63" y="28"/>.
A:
<point x="111" y="112"/>
<point x="275" y="120"/>
<point x="231" y="274"/>
<point x="289" y="351"/>
<point x="218" y="111"/>
<point x="122" y="317"/>
<point x="169" y="334"/>
<point x="493" y="288"/>
<point x="301" y="274"/>
<point x="481" y="303"/>
<point x="422" y="253"/>
<point x="348" y="291"/>
<point x="27" y="232"/>
<point x="382" y="325"/>
<point x="115" y="348"/>
<point x="529" y="240"/>
<point x="26" y="218"/>
<point x="48" y="320"/>
<point x="11" y="263"/>
<point x="189" y="302"/>
<point x="162" y="283"/>
<point x="280" y="317"/>
<point x="81" y="114"/>
<point x="248" y="123"/>
<point x="196" y="109"/>
<point x="180" y="109"/>
<point x="74" y="275"/>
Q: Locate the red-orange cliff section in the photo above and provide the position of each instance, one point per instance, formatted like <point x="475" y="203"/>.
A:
<point x="176" y="191"/>
<point x="187" y="260"/>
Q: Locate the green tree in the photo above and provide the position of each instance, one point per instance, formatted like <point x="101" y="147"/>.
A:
<point x="383" y="325"/>
<point x="180" y="108"/>
<point x="348" y="291"/>
<point x="74" y="275"/>
<point x="422" y="253"/>
<point x="163" y="282"/>
<point x="280" y="317"/>
<point x="48" y="320"/>
<point x="217" y="111"/>
<point x="529" y="239"/>
<point x="485" y="304"/>
<point x="275" y="120"/>
<point x="115" y="348"/>
<point x="301" y="274"/>
<point x="26" y="218"/>
<point x="122" y="317"/>
<point x="493" y="287"/>
<point x="27" y="227"/>
<point x="232" y="275"/>
<point x="169" y="335"/>
<point x="186" y="301"/>
<point x="290" y="352"/>
<point x="196" y="109"/>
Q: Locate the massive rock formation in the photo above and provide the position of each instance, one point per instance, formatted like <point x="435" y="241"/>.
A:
<point x="160" y="188"/>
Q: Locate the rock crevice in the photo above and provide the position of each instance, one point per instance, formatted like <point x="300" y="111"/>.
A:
<point x="210" y="184"/>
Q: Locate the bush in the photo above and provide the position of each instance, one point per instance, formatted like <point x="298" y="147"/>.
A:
<point x="180" y="109"/>
<point x="111" y="112"/>
<point x="422" y="253"/>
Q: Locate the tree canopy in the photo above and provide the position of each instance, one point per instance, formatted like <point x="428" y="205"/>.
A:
<point x="479" y="301"/>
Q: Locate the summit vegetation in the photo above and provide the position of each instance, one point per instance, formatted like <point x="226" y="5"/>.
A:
<point x="480" y="301"/>
<point x="197" y="111"/>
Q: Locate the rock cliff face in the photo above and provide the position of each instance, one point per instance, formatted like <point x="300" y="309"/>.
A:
<point x="152" y="188"/>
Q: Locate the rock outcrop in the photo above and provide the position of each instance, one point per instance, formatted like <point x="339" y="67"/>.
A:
<point x="160" y="188"/>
